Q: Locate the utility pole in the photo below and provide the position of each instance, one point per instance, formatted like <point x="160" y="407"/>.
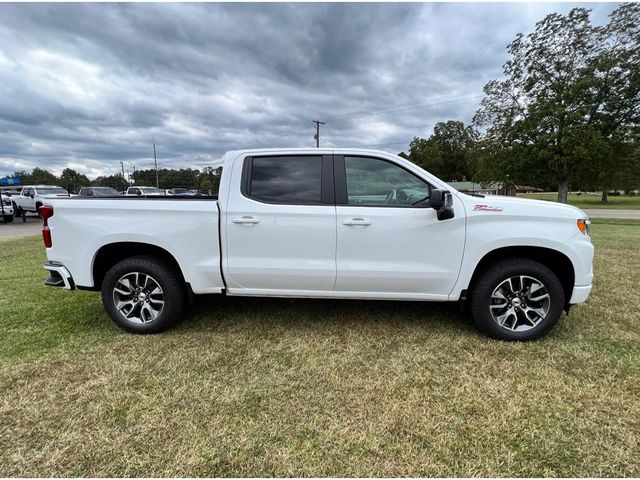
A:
<point x="155" y="161"/>
<point x="317" y="135"/>
<point x="122" y="165"/>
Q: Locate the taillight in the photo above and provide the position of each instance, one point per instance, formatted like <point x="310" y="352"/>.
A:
<point x="46" y="212"/>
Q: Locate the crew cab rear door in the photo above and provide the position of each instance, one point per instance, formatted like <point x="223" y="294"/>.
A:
<point x="280" y="229"/>
<point x="389" y="241"/>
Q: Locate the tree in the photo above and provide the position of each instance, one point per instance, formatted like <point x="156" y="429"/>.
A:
<point x="569" y="96"/>
<point x="38" y="176"/>
<point x="209" y="179"/>
<point x="448" y="152"/>
<point x="114" y="181"/>
<point x="73" y="181"/>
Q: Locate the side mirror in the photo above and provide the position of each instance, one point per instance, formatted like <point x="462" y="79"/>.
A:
<point x="436" y="198"/>
<point x="442" y="202"/>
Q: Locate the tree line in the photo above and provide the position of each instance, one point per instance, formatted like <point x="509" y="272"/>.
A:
<point x="206" y="179"/>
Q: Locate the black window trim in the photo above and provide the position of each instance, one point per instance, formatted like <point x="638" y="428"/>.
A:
<point x="340" y="172"/>
<point x="327" y="191"/>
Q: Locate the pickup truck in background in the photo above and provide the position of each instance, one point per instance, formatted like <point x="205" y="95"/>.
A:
<point x="32" y="197"/>
<point x="6" y="208"/>
<point x="99" y="192"/>
<point x="143" y="191"/>
<point x="324" y="223"/>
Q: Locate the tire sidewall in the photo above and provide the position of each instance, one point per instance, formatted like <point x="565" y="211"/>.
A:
<point x="489" y="281"/>
<point x="168" y="279"/>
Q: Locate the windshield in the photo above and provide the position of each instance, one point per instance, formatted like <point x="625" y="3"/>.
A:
<point x="105" y="192"/>
<point x="150" y="190"/>
<point x="52" y="191"/>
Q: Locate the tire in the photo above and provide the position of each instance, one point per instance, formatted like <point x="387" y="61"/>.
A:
<point x="523" y="295"/>
<point x="17" y="211"/>
<point x="136" y="312"/>
<point x="37" y="212"/>
<point x="8" y="218"/>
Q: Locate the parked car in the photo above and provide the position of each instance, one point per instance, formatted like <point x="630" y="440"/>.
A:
<point x="143" y="191"/>
<point x="6" y="208"/>
<point x="183" y="192"/>
<point x="99" y="192"/>
<point x="32" y="197"/>
<point x="322" y="223"/>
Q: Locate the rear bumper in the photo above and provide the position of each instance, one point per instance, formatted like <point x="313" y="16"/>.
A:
<point x="580" y="294"/>
<point x="59" y="276"/>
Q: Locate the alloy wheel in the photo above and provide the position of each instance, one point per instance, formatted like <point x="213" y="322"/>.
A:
<point x="520" y="303"/>
<point x="138" y="297"/>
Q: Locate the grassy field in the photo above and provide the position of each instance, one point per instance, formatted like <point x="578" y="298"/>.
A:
<point x="591" y="200"/>
<point x="250" y="387"/>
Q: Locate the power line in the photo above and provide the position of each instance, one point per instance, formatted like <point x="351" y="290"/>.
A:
<point x="453" y="97"/>
<point x="287" y="133"/>
<point x="432" y="101"/>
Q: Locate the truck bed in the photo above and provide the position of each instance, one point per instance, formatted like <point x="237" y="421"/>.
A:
<point x="184" y="227"/>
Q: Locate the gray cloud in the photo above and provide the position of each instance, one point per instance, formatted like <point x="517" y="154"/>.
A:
<point x="89" y="85"/>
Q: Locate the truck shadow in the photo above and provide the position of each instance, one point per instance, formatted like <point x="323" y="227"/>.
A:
<point x="287" y="313"/>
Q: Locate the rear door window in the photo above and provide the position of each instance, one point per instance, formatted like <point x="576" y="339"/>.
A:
<point x="286" y="180"/>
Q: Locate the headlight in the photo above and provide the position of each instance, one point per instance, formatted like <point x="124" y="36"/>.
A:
<point x="584" y="225"/>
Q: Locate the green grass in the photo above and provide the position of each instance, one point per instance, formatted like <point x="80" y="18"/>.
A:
<point x="251" y="387"/>
<point x="591" y="200"/>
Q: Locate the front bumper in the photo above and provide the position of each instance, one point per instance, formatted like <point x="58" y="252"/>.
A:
<point x="59" y="276"/>
<point x="580" y="294"/>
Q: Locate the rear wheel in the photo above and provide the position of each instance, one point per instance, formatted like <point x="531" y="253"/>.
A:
<point x="144" y="294"/>
<point x="517" y="299"/>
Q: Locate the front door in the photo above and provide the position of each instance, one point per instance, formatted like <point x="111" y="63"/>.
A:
<point x="281" y="230"/>
<point x="388" y="238"/>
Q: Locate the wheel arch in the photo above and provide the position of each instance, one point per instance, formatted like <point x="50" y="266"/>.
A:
<point x="110" y="254"/>
<point x="555" y="260"/>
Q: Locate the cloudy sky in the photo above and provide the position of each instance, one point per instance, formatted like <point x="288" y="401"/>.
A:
<point x="90" y="85"/>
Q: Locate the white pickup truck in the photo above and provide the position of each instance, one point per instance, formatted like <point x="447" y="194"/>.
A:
<point x="32" y="197"/>
<point x="6" y="208"/>
<point x="324" y="223"/>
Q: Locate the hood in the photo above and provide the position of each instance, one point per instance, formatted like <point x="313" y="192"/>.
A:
<point x="521" y="206"/>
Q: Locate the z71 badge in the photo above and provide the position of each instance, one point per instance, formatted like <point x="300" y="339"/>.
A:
<point x="486" y="208"/>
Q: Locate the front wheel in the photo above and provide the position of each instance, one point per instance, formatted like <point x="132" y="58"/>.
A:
<point x="8" y="218"/>
<point x="517" y="300"/>
<point x="144" y="294"/>
<point x="17" y="211"/>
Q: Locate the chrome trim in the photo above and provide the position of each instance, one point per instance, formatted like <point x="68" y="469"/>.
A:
<point x="61" y="270"/>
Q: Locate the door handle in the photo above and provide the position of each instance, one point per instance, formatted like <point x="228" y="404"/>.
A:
<point x="246" y="220"/>
<point x="359" y="221"/>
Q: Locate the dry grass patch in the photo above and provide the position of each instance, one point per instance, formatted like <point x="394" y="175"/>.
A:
<point x="251" y="387"/>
